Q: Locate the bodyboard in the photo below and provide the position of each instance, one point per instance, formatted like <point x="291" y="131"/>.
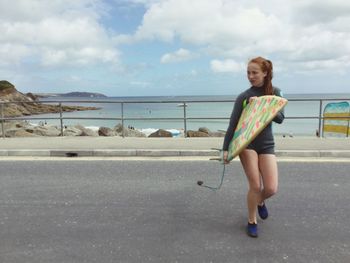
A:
<point x="336" y="119"/>
<point x="254" y="118"/>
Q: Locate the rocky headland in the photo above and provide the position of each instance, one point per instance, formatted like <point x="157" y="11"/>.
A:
<point x="27" y="104"/>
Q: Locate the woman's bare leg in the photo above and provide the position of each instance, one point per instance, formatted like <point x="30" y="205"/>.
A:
<point x="269" y="174"/>
<point x="250" y="162"/>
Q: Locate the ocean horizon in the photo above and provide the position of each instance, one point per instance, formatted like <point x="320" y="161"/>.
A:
<point x="301" y="112"/>
<point x="186" y="97"/>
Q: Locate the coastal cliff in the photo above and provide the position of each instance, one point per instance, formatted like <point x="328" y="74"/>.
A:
<point x="28" y="105"/>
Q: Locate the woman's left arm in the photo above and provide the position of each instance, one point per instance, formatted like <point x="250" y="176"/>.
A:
<point x="280" y="115"/>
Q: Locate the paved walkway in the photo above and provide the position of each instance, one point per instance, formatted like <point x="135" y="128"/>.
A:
<point x="117" y="146"/>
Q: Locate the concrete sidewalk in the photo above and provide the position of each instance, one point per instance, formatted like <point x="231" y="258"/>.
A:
<point x="161" y="147"/>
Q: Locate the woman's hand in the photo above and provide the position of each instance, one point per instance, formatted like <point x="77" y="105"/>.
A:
<point x="252" y="98"/>
<point x="224" y="156"/>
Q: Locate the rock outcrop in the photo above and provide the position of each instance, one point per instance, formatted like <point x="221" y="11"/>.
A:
<point x="27" y="104"/>
<point x="196" y="134"/>
<point x="26" y="129"/>
<point x="118" y="129"/>
<point x="161" y="133"/>
<point x="204" y="132"/>
<point x="105" y="131"/>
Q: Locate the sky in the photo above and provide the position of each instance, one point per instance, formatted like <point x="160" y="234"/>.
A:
<point x="173" y="47"/>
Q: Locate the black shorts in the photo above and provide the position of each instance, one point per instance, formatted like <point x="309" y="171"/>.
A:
<point x="260" y="148"/>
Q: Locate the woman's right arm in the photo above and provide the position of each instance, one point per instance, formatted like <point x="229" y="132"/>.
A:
<point x="235" y="115"/>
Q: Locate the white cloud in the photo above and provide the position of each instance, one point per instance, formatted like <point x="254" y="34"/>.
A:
<point x="228" y="65"/>
<point x="11" y="54"/>
<point x="177" y="56"/>
<point x="311" y="31"/>
<point x="207" y="22"/>
<point x="320" y="12"/>
<point x="36" y="10"/>
<point x="55" y="33"/>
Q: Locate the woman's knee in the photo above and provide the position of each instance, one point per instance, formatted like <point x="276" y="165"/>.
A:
<point x="270" y="191"/>
<point x="255" y="188"/>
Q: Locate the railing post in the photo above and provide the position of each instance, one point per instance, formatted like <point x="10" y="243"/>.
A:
<point x="320" y="127"/>
<point x="347" y="133"/>
<point x="61" y="118"/>
<point x="185" y="119"/>
<point x="122" y="109"/>
<point x="2" y="121"/>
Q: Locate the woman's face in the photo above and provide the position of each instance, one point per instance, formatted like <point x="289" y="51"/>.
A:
<point x="255" y="75"/>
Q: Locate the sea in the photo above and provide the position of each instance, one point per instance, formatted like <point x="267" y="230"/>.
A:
<point x="213" y="112"/>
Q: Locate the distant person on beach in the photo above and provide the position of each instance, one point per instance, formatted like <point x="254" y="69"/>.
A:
<point x="258" y="159"/>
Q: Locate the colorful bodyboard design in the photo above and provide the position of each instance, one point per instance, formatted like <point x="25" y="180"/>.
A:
<point x="254" y="118"/>
<point x="336" y="119"/>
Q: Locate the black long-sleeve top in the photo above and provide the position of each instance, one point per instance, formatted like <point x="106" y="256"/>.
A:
<point x="266" y="135"/>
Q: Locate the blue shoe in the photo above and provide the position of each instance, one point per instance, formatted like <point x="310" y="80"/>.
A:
<point x="252" y="230"/>
<point x="262" y="210"/>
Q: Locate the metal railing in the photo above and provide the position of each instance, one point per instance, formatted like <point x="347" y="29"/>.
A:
<point x="320" y="116"/>
<point x="183" y="103"/>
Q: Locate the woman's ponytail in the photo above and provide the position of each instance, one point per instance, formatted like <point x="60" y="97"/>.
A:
<point x="268" y="79"/>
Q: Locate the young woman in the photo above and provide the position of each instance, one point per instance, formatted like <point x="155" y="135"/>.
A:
<point x="258" y="159"/>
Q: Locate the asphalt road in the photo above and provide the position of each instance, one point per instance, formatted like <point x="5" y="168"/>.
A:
<point x="153" y="211"/>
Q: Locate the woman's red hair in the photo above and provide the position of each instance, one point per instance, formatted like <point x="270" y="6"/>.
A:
<point x="266" y="66"/>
